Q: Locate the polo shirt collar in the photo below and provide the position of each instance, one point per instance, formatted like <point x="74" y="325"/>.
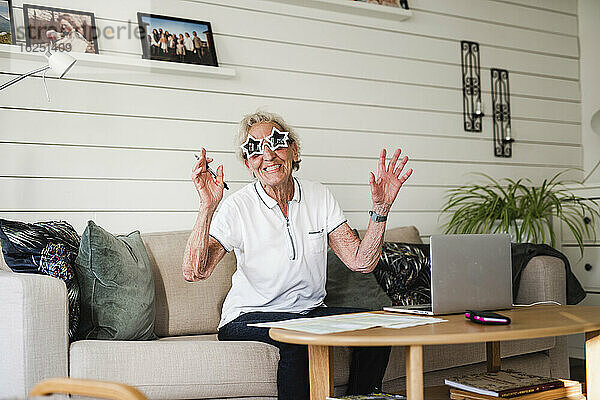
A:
<point x="271" y="202"/>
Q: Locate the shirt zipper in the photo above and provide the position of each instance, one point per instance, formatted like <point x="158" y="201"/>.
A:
<point x="287" y="223"/>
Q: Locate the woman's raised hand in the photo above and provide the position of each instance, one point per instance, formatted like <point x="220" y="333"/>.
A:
<point x="209" y="189"/>
<point x="385" y="187"/>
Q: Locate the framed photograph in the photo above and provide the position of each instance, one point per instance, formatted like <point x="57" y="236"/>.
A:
<point x="390" y="3"/>
<point x="7" y="25"/>
<point x="62" y="30"/>
<point x="177" y="39"/>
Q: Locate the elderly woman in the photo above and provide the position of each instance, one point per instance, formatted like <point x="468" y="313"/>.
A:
<point x="279" y="227"/>
<point x="72" y="35"/>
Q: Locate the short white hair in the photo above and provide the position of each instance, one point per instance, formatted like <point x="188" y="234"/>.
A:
<point x="259" y="117"/>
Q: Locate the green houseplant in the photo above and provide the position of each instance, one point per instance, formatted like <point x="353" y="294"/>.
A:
<point x="520" y="208"/>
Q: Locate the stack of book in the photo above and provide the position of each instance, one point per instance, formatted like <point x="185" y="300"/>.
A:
<point x="514" y="385"/>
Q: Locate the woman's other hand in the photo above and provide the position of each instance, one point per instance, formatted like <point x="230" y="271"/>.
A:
<point x="209" y="189"/>
<point x="385" y="187"/>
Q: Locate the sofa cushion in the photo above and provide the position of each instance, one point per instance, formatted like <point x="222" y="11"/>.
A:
<point x="352" y="289"/>
<point x="191" y="367"/>
<point x="117" y="289"/>
<point x="47" y="248"/>
<point x="196" y="367"/>
<point x="346" y="288"/>
<point x="3" y="266"/>
<point x="180" y="367"/>
<point x="404" y="272"/>
<point x="185" y="308"/>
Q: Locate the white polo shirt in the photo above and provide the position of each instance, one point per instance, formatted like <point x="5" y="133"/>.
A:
<point x="281" y="263"/>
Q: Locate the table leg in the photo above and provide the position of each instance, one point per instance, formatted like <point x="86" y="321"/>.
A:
<point x="592" y="360"/>
<point x="414" y="372"/>
<point x="320" y="370"/>
<point x="492" y="350"/>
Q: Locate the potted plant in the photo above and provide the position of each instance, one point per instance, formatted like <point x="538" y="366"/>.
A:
<point x="521" y="208"/>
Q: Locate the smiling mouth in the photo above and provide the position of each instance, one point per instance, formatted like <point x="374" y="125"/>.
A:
<point x="272" y="168"/>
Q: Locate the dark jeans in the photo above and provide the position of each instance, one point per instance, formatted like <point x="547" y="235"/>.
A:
<point x="366" y="368"/>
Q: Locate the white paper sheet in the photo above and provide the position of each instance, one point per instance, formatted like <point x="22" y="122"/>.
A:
<point x="349" y="322"/>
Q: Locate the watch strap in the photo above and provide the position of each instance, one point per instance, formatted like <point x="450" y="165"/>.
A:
<point x="377" y="217"/>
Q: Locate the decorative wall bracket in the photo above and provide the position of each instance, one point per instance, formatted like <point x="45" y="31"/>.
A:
<point x="501" y="106"/>
<point x="471" y="83"/>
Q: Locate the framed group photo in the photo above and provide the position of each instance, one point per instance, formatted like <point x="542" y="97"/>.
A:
<point x="63" y="30"/>
<point x="390" y="3"/>
<point x="7" y="25"/>
<point x="177" y="40"/>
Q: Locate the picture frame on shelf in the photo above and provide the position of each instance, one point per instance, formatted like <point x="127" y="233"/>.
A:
<point x="176" y="39"/>
<point x="389" y="3"/>
<point x="7" y="24"/>
<point x="60" y="29"/>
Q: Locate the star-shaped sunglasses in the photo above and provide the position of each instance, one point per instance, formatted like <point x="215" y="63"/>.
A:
<point x="276" y="140"/>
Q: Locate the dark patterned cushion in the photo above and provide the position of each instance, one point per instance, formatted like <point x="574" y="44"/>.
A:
<point x="48" y="248"/>
<point x="404" y="272"/>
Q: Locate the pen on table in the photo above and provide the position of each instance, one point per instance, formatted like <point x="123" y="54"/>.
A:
<point x="212" y="172"/>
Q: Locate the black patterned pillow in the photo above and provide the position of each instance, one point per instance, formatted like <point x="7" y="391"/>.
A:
<point x="47" y="248"/>
<point x="404" y="272"/>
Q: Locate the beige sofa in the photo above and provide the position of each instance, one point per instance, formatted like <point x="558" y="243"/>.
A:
<point x="188" y="362"/>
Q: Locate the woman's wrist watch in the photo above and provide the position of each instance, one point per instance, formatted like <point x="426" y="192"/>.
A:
<point x="377" y="217"/>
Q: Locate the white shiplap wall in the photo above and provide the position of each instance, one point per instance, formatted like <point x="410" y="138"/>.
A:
<point x="116" y="145"/>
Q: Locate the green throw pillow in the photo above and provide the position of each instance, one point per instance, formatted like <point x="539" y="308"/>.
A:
<point x="117" y="288"/>
<point x="346" y="288"/>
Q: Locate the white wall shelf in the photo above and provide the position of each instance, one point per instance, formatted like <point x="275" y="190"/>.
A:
<point x="355" y="7"/>
<point x="122" y="62"/>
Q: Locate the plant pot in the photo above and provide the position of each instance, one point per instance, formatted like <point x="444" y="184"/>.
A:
<point x="512" y="231"/>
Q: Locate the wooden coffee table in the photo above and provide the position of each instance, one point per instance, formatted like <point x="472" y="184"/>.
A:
<point x="527" y="323"/>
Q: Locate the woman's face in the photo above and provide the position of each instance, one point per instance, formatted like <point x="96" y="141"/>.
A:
<point x="65" y="26"/>
<point x="272" y="168"/>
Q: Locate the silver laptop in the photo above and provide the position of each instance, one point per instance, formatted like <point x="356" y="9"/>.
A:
<point x="468" y="272"/>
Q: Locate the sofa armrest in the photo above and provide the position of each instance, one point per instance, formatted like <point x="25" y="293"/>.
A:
<point x="33" y="331"/>
<point x="543" y="279"/>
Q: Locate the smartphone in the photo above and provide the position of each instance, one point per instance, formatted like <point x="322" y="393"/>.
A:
<point x="487" y="317"/>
